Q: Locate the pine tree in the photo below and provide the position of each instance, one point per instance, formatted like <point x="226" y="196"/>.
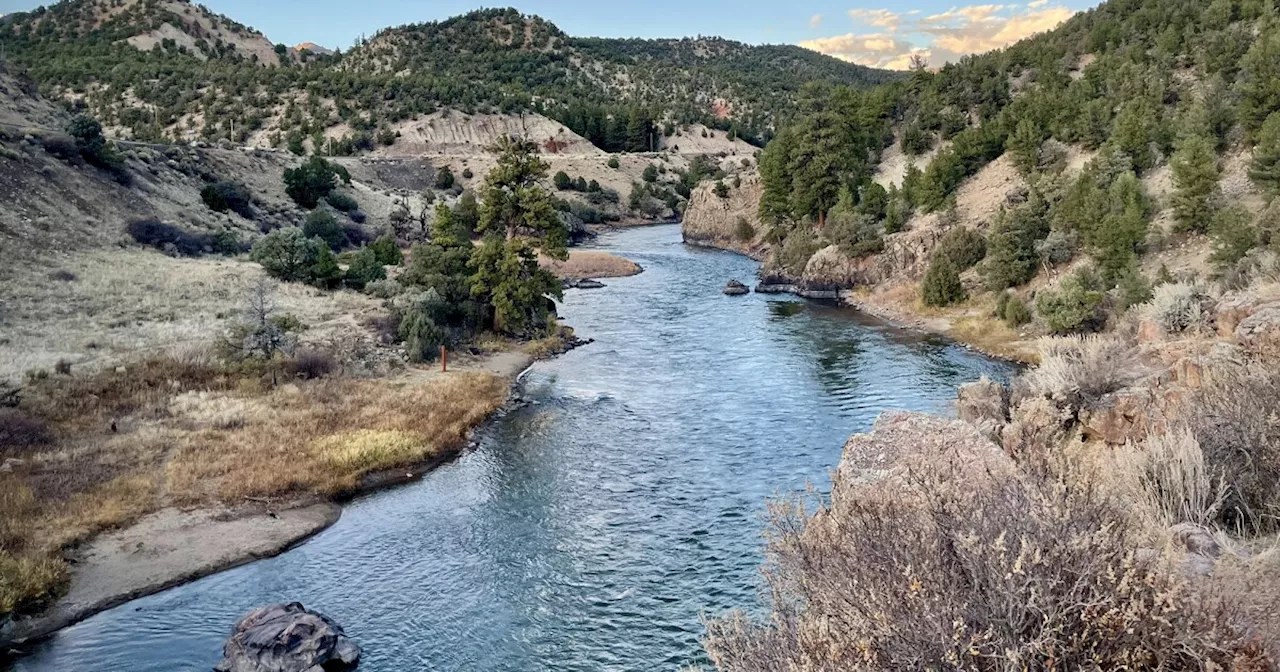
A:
<point x="1265" y="171"/>
<point x="1024" y="146"/>
<point x="1195" y="173"/>
<point x="941" y="285"/>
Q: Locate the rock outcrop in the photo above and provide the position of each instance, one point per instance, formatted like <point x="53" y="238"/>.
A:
<point x="288" y="638"/>
<point x="736" y="288"/>
<point x="731" y="222"/>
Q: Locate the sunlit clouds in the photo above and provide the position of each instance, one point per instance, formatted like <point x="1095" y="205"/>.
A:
<point x="888" y="39"/>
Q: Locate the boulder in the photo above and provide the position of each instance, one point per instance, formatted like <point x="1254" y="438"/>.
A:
<point x="288" y="638"/>
<point x="586" y="283"/>
<point x="735" y="288"/>
<point x="1260" y="332"/>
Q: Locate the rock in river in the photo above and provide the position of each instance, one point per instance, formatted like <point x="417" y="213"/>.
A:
<point x="583" y="283"/>
<point x="287" y="638"/>
<point x="735" y="288"/>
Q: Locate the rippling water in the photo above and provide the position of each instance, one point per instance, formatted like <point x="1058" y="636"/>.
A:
<point x="591" y="530"/>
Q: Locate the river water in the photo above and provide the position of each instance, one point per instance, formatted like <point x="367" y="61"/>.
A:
<point x="591" y="530"/>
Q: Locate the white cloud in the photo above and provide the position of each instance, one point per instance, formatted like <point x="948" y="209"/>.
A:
<point x="894" y="37"/>
<point x="815" y="21"/>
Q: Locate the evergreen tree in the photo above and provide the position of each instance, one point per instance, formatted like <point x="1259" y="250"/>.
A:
<point x="1024" y="146"/>
<point x="941" y="285"/>
<point x="1265" y="170"/>
<point x="506" y="272"/>
<point x="1195" y="174"/>
<point x="325" y="271"/>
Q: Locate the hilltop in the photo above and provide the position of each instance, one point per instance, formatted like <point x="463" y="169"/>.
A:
<point x="166" y="69"/>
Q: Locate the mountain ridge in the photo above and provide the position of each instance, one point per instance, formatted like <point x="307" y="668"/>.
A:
<point x="169" y="69"/>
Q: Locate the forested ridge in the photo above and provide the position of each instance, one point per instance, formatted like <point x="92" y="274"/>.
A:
<point x="1141" y="83"/>
<point x="219" y="84"/>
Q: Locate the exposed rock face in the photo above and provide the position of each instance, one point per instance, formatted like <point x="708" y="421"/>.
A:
<point x="1260" y="331"/>
<point x="714" y="221"/>
<point x="904" y="442"/>
<point x="288" y="638"/>
<point x="735" y="288"/>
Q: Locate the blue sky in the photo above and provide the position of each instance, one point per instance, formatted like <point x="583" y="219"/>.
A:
<point x="872" y="32"/>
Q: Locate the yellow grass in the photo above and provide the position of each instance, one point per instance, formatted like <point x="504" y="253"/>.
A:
<point x="589" y="264"/>
<point x="194" y="434"/>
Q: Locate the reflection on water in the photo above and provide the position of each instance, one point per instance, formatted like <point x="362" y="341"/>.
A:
<point x="592" y="529"/>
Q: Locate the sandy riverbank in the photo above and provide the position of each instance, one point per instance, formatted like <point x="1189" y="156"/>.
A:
<point x="174" y="545"/>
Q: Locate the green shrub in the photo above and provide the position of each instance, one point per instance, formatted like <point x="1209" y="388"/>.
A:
<point x="364" y="269"/>
<point x="225" y="195"/>
<point x="743" y="231"/>
<point x="322" y="225"/>
<point x="650" y="173"/>
<point x="287" y="254"/>
<point x="342" y="202"/>
<point x="444" y="178"/>
<point x="613" y="162"/>
<point x="467" y="174"/>
<point x="1011" y="247"/>
<point x="942" y="286"/>
<point x="387" y="251"/>
<point x="857" y="235"/>
<point x="313" y="180"/>
<point x="721" y="189"/>
<point x="1074" y="307"/>
<point x="325" y="272"/>
<point x="563" y="181"/>
<point x="1233" y="236"/>
<point x="1016" y="312"/>
<point x="963" y="247"/>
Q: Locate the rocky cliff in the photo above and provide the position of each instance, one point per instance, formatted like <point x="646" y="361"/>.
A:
<point x="731" y="221"/>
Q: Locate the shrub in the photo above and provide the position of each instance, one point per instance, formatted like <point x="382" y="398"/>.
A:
<point x="945" y="568"/>
<point x="287" y="254"/>
<point x="1058" y="248"/>
<point x="418" y="329"/>
<point x="61" y="147"/>
<point x="1077" y="371"/>
<point x="342" y="202"/>
<point x="364" y="269"/>
<point x="613" y="162"/>
<point x="322" y="225"/>
<point x="313" y="180"/>
<point x="721" y="189"/>
<point x="743" y="231"/>
<point x="386" y="251"/>
<point x="1178" y="307"/>
<point x="857" y="235"/>
<point x="384" y="289"/>
<point x="941" y="285"/>
<point x="167" y="237"/>
<point x="91" y="143"/>
<point x="357" y="216"/>
<point x="963" y="247"/>
<point x="444" y="178"/>
<point x="797" y="248"/>
<point x="650" y="173"/>
<point x="467" y="174"/>
<point x="1233" y="236"/>
<point x="309" y="365"/>
<point x="563" y="181"/>
<point x="227" y="195"/>
<point x="1012" y="310"/>
<point x="1074" y="307"/>
<point x="19" y="429"/>
<point x="1233" y="420"/>
<point x="63" y="275"/>
<point x="1132" y="288"/>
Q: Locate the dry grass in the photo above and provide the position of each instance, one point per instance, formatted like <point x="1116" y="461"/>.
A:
<point x="166" y="432"/>
<point x="589" y="264"/>
<point x="127" y="304"/>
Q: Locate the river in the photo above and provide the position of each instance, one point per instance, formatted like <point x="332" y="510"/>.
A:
<point x="594" y="528"/>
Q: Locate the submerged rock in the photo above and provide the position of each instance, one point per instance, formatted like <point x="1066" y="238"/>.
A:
<point x="735" y="288"/>
<point x="583" y="283"/>
<point x="287" y="638"/>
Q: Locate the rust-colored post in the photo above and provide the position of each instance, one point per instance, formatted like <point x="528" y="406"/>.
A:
<point x="444" y="360"/>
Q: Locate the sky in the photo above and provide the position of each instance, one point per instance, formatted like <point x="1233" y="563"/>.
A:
<point x="881" y="33"/>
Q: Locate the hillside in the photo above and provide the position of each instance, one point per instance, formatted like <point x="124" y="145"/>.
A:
<point x="1069" y="174"/>
<point x="166" y="69"/>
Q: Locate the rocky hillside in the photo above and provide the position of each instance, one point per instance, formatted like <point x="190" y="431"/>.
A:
<point x="193" y="74"/>
<point x="1068" y="175"/>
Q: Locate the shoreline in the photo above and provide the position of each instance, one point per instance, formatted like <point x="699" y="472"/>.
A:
<point x="173" y="547"/>
<point x="851" y="298"/>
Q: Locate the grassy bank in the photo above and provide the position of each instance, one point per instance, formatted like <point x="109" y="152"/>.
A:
<point x="92" y="452"/>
